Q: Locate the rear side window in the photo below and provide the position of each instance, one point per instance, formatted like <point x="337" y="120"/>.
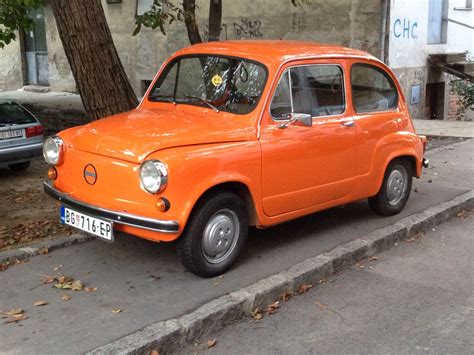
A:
<point x="13" y="114"/>
<point x="317" y="90"/>
<point x="372" y="89"/>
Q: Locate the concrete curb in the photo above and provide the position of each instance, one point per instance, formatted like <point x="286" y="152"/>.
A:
<point x="35" y="249"/>
<point x="170" y="335"/>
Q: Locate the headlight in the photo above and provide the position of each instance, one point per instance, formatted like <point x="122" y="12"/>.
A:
<point x="153" y="176"/>
<point x="53" y="150"/>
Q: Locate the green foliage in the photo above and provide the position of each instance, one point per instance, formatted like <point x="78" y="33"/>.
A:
<point x="14" y="16"/>
<point x="464" y="89"/>
<point x="161" y="13"/>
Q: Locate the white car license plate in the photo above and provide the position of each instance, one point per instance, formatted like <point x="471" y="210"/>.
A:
<point x="98" y="227"/>
<point x="17" y="133"/>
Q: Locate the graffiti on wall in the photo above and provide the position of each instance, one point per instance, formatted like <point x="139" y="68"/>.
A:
<point x="405" y="29"/>
<point x="247" y="28"/>
<point x="299" y="23"/>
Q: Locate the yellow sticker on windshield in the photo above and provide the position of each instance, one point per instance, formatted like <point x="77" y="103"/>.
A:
<point x="216" y="80"/>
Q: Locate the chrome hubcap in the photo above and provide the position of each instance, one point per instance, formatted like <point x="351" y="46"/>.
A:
<point x="220" y="236"/>
<point x="397" y="185"/>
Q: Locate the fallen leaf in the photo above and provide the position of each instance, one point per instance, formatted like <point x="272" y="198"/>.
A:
<point x="16" y="318"/>
<point x="373" y="258"/>
<point x="272" y="308"/>
<point x="304" y="288"/>
<point x="90" y="289"/>
<point x="116" y="310"/>
<point x="43" y="251"/>
<point x="66" y="297"/>
<point x="49" y="279"/>
<point x="154" y="352"/>
<point x="41" y="303"/>
<point x="59" y="267"/>
<point x="63" y="279"/>
<point x="256" y="314"/>
<point x="13" y="312"/>
<point x="416" y="238"/>
<point x="286" y="296"/>
<point x="76" y="285"/>
<point x="211" y="342"/>
<point x="321" y="306"/>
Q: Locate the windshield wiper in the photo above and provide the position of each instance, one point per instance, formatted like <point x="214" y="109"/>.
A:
<point x="162" y="98"/>
<point x="207" y="102"/>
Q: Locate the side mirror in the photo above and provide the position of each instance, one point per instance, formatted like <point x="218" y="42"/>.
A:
<point x="303" y="119"/>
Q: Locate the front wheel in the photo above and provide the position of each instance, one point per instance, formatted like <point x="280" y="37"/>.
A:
<point x="395" y="190"/>
<point x="215" y="235"/>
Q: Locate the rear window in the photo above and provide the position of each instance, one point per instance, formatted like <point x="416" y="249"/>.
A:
<point x="13" y="114"/>
<point x="372" y="89"/>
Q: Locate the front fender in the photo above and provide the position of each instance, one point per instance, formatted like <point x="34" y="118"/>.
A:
<point x="192" y="170"/>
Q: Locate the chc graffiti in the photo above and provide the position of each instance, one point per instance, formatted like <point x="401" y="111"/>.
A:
<point x="405" y="29"/>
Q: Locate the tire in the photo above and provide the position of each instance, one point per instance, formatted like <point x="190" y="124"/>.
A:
<point x="19" y="166"/>
<point x="203" y="248"/>
<point x="395" y="190"/>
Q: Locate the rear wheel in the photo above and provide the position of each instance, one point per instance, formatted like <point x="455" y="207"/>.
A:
<point x="395" y="190"/>
<point x="19" y="166"/>
<point x="215" y="235"/>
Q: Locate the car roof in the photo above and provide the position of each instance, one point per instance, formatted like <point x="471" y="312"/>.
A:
<point x="275" y="51"/>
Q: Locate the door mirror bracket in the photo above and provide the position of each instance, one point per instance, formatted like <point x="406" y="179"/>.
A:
<point x="302" y="119"/>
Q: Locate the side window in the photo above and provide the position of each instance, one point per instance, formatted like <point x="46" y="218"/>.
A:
<point x="281" y="102"/>
<point x="317" y="90"/>
<point x="326" y="89"/>
<point x="372" y="89"/>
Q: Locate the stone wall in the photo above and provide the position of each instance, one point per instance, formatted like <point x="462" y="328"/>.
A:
<point x="11" y="76"/>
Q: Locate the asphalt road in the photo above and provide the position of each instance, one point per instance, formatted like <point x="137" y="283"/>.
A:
<point x="417" y="298"/>
<point x="147" y="282"/>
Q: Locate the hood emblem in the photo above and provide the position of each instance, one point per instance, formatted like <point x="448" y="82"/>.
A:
<point x="90" y="174"/>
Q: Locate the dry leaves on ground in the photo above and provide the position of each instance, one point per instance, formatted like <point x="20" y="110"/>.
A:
<point x="14" y="315"/>
<point x="272" y="308"/>
<point x="41" y="303"/>
<point x="256" y="314"/>
<point x="210" y="343"/>
<point x="304" y="288"/>
<point x="66" y="297"/>
<point x="321" y="306"/>
<point x="116" y="310"/>
<point x="286" y="296"/>
<point x="416" y="238"/>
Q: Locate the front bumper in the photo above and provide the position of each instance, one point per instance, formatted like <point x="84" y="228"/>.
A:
<point x="127" y="219"/>
<point x="20" y="153"/>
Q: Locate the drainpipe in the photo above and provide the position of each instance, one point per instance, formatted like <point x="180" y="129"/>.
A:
<point x="383" y="29"/>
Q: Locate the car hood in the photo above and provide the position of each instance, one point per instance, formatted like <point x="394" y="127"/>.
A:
<point x="133" y="135"/>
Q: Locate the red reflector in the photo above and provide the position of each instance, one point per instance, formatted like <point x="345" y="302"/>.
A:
<point x="34" y="131"/>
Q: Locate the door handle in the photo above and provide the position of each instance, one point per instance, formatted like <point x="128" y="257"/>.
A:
<point x="348" y="123"/>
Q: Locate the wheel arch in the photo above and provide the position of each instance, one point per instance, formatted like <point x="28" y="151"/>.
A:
<point x="237" y="187"/>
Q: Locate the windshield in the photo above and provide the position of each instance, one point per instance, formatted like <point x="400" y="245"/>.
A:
<point x="13" y="114"/>
<point x="220" y="83"/>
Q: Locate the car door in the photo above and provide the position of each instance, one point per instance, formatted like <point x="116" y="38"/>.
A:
<point x="307" y="166"/>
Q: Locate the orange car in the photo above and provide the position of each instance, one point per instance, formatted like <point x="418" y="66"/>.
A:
<point x="237" y="134"/>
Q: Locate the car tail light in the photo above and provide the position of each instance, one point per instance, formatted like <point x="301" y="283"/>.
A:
<point x="34" y="131"/>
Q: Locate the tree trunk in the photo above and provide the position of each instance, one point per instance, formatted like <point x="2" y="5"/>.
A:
<point x="189" y="13"/>
<point x="95" y="64"/>
<point x="215" y="20"/>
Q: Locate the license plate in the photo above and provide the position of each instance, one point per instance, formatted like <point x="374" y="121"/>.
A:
<point x="17" y="133"/>
<point x="95" y="226"/>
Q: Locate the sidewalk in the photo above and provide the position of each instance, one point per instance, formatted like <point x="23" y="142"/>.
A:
<point x="463" y="129"/>
<point x="416" y="298"/>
